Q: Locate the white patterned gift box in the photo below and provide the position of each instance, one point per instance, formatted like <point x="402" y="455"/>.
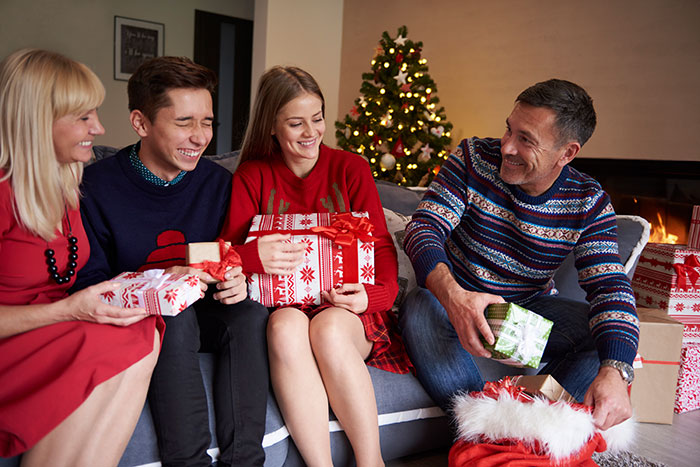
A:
<point x="688" y="390"/>
<point x="160" y="293"/>
<point x="339" y="249"/>
<point x="521" y="335"/>
<point x="668" y="277"/>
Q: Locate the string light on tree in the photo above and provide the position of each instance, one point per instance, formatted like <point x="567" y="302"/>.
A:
<point x="399" y="127"/>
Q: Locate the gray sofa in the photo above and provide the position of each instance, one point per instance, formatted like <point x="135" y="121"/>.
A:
<point x="410" y="422"/>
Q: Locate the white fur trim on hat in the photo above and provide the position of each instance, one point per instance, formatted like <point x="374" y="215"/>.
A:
<point x="560" y="430"/>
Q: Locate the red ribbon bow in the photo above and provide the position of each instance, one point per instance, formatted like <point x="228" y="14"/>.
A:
<point x="688" y="272"/>
<point x="217" y="269"/>
<point x="494" y="390"/>
<point x="346" y="229"/>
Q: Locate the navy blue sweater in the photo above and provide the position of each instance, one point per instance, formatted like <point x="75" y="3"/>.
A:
<point x="497" y="239"/>
<point x="135" y="225"/>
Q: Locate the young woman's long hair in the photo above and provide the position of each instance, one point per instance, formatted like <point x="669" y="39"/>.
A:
<point x="277" y="87"/>
<point x="37" y="87"/>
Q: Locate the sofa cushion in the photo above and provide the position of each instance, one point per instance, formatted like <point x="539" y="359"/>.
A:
<point x="632" y="236"/>
<point x="396" y="225"/>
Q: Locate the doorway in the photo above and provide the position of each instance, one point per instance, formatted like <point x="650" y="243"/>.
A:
<point x="224" y="44"/>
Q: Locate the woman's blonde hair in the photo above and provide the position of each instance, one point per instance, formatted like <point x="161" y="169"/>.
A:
<point x="37" y="87"/>
<point x="278" y="86"/>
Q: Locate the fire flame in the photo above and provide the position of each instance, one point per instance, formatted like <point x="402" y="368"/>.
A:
<point x="659" y="235"/>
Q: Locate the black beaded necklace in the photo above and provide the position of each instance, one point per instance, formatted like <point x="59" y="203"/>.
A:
<point x="72" y="258"/>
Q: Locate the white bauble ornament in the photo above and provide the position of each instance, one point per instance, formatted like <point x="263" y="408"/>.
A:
<point x="387" y="161"/>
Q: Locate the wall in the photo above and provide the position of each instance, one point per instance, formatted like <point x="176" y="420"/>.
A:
<point x="639" y="60"/>
<point x="303" y="33"/>
<point x="84" y="30"/>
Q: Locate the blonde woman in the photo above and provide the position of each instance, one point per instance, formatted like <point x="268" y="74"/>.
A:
<point x="74" y="372"/>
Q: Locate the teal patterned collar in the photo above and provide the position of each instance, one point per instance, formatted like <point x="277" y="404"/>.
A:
<point x="147" y="174"/>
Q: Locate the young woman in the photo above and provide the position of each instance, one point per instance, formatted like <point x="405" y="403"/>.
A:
<point x="317" y="354"/>
<point x="74" y="372"/>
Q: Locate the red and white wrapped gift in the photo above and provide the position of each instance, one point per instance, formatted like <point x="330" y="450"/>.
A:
<point x="691" y="330"/>
<point x="668" y="277"/>
<point x="160" y="293"/>
<point x="339" y="250"/>
<point x="688" y="390"/>
<point x="694" y="232"/>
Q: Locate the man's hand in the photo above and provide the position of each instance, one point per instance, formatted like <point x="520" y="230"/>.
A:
<point x="204" y="277"/>
<point x="234" y="289"/>
<point x="278" y="255"/>
<point x="465" y="309"/>
<point x="609" y="398"/>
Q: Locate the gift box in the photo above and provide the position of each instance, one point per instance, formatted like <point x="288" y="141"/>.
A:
<point x="155" y="290"/>
<point x="521" y="335"/>
<point x="691" y="333"/>
<point x="656" y="368"/>
<point x="688" y="390"/>
<point x="214" y="258"/>
<point x="694" y="232"/>
<point x="543" y="385"/>
<point x="339" y="250"/>
<point x="668" y="277"/>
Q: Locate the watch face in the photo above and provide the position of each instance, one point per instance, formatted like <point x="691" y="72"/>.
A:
<point x="626" y="370"/>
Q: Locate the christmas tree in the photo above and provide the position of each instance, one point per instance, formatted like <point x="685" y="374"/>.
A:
<point x="395" y="123"/>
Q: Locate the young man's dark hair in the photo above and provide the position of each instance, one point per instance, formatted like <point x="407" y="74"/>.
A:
<point x="148" y="87"/>
<point x="572" y="105"/>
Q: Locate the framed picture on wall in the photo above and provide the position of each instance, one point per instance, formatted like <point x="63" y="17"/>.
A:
<point x="135" y="41"/>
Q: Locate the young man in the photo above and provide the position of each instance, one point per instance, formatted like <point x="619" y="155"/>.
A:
<point x="494" y="226"/>
<point x="140" y="209"/>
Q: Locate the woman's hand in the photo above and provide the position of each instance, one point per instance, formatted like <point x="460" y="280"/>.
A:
<point x="278" y="255"/>
<point x="352" y="297"/>
<point x="86" y="305"/>
<point x="234" y="289"/>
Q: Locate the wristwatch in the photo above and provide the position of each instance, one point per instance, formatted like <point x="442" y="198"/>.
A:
<point x="625" y="369"/>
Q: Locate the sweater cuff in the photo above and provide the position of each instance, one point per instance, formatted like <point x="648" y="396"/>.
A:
<point x="424" y="263"/>
<point x="250" y="258"/>
<point x="616" y="349"/>
<point x="377" y="298"/>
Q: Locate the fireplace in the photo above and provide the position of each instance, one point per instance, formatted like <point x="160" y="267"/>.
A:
<point x="662" y="192"/>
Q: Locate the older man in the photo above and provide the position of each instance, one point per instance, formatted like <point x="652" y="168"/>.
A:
<point x="494" y="226"/>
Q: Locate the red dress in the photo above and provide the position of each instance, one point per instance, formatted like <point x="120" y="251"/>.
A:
<point x="46" y="373"/>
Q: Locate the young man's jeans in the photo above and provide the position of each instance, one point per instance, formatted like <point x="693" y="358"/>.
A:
<point x="445" y="368"/>
<point x="237" y="335"/>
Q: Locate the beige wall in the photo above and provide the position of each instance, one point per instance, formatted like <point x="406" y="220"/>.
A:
<point x="639" y="60"/>
<point x="303" y="33"/>
<point x="84" y="30"/>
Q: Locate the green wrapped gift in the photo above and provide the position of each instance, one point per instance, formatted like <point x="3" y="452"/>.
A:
<point x="521" y="335"/>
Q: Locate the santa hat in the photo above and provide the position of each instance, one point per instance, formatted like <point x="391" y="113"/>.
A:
<point x="503" y="425"/>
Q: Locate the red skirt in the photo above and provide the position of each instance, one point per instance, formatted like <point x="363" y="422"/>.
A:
<point x="48" y="372"/>
<point x="388" y="352"/>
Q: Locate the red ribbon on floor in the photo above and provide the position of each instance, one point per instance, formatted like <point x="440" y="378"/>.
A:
<point x="688" y="272"/>
<point x="217" y="269"/>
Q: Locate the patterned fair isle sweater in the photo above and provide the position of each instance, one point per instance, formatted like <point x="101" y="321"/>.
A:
<point x="497" y="239"/>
